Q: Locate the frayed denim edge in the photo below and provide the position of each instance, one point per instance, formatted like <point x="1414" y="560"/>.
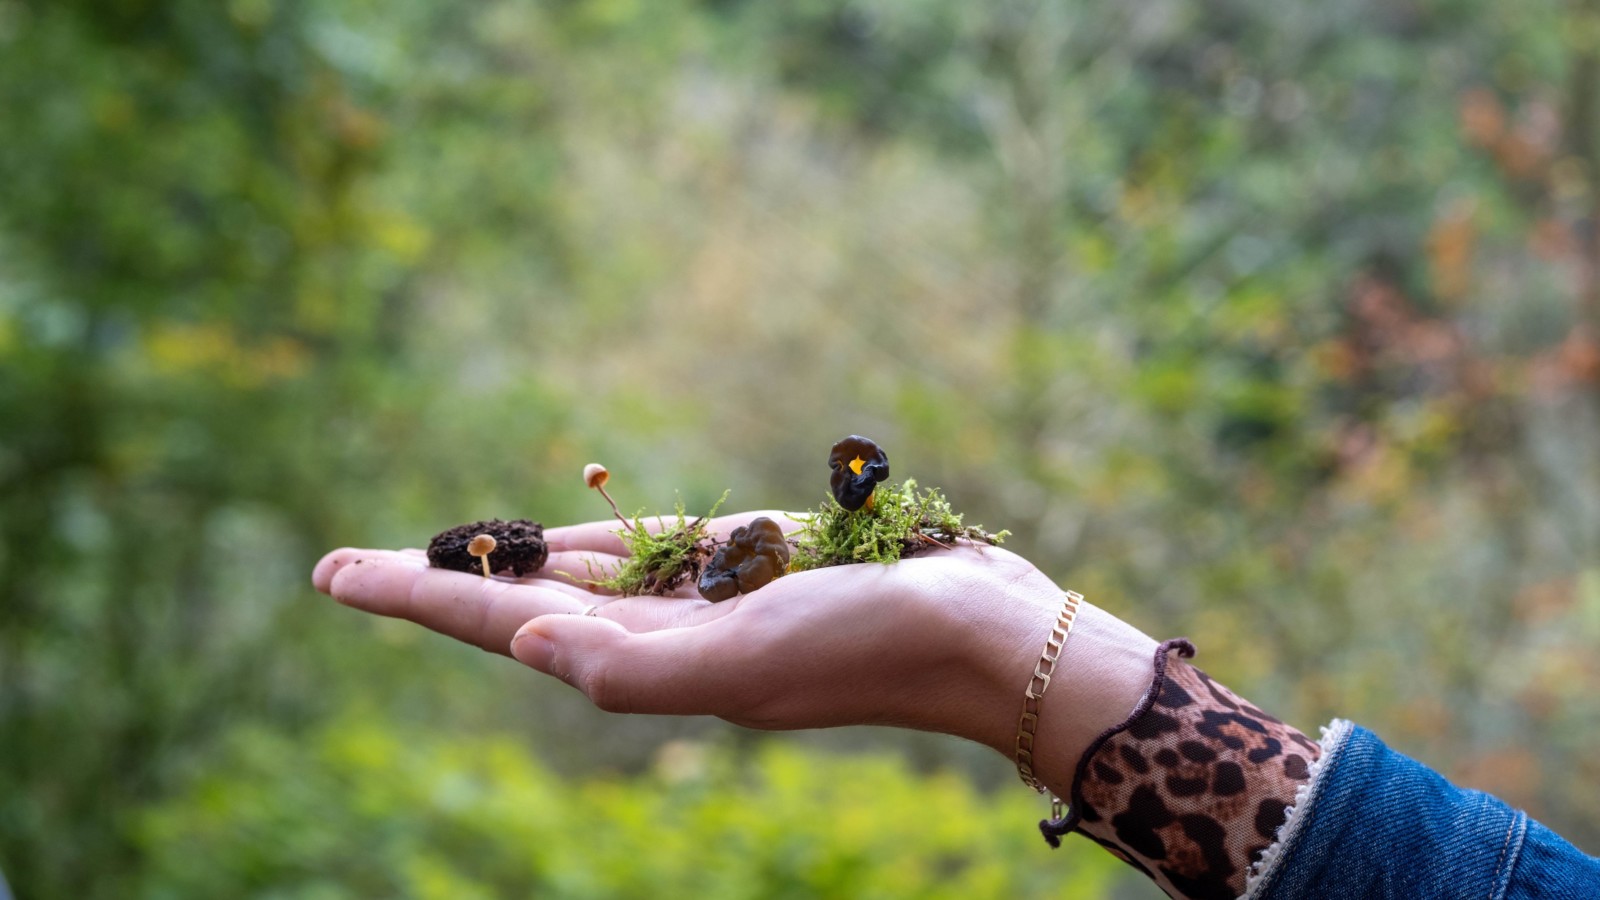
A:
<point x="1262" y="870"/>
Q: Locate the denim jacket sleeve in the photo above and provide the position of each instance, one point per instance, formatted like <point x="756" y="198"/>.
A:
<point x="1374" y="824"/>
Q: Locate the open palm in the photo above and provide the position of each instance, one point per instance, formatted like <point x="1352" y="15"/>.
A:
<point x="926" y="643"/>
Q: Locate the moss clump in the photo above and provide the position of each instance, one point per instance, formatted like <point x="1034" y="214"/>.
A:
<point x="658" y="563"/>
<point x="899" y="523"/>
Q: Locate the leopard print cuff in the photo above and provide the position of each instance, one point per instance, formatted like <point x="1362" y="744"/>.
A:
<point x="1192" y="787"/>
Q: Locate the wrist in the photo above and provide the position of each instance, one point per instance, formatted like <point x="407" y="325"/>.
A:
<point x="1102" y="672"/>
<point x="1097" y="684"/>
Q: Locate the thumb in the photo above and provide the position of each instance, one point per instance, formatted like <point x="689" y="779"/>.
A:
<point x="676" y="671"/>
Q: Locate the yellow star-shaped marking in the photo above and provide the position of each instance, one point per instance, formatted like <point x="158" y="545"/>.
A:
<point x="856" y="464"/>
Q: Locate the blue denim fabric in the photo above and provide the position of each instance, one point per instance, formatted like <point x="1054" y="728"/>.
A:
<point x="1375" y="825"/>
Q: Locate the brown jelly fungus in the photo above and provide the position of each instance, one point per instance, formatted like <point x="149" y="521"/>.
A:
<point x="858" y="465"/>
<point x="754" y="555"/>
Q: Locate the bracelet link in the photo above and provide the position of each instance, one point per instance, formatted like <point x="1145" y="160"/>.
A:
<point x="1028" y="724"/>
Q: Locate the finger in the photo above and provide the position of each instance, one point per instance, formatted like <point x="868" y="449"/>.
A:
<point x="484" y="612"/>
<point x="641" y="614"/>
<point x="585" y="593"/>
<point x="580" y="569"/>
<point x="600" y="537"/>
<point x="590" y="537"/>
<point x="722" y="526"/>
<point x="567" y="572"/>
<point x="680" y="671"/>
<point x="330" y="564"/>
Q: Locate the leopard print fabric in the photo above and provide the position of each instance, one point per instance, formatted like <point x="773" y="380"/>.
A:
<point x="1194" y="786"/>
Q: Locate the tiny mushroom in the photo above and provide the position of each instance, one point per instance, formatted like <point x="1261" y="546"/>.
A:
<point x="596" y="476"/>
<point x="754" y="555"/>
<point x="858" y="465"/>
<point x="481" y="546"/>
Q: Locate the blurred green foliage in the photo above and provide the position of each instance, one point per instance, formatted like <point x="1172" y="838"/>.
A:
<point x="357" y="810"/>
<point x="1275" y="325"/>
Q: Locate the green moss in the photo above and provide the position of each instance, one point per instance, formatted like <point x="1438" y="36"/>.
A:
<point x="901" y="522"/>
<point x="659" y="563"/>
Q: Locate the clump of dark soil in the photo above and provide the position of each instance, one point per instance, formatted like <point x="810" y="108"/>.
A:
<point x="519" y="547"/>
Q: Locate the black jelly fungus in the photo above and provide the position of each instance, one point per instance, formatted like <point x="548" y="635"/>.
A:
<point x="858" y="465"/>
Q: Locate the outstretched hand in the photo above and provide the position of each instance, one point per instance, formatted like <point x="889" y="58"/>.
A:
<point x="487" y="612"/>
<point x="940" y="642"/>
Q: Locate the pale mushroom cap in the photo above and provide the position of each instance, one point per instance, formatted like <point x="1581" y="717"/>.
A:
<point x="595" y="475"/>
<point x="482" y="545"/>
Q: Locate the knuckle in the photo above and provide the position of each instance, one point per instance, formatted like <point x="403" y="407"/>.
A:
<point x="604" y="691"/>
<point x="758" y="718"/>
<point x="752" y="711"/>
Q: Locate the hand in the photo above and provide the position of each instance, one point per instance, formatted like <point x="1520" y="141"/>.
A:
<point x="941" y="642"/>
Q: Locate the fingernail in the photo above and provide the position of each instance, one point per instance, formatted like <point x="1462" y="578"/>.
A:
<point x="533" y="651"/>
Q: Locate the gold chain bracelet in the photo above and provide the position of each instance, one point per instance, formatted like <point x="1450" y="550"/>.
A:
<point x="1029" y="723"/>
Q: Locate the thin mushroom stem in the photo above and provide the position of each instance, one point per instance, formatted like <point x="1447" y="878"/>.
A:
<point x="617" y="512"/>
<point x="596" y="476"/>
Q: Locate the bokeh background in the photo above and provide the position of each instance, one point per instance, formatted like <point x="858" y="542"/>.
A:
<point x="1272" y="324"/>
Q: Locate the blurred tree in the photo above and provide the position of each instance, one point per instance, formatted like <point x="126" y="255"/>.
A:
<point x="194" y="282"/>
